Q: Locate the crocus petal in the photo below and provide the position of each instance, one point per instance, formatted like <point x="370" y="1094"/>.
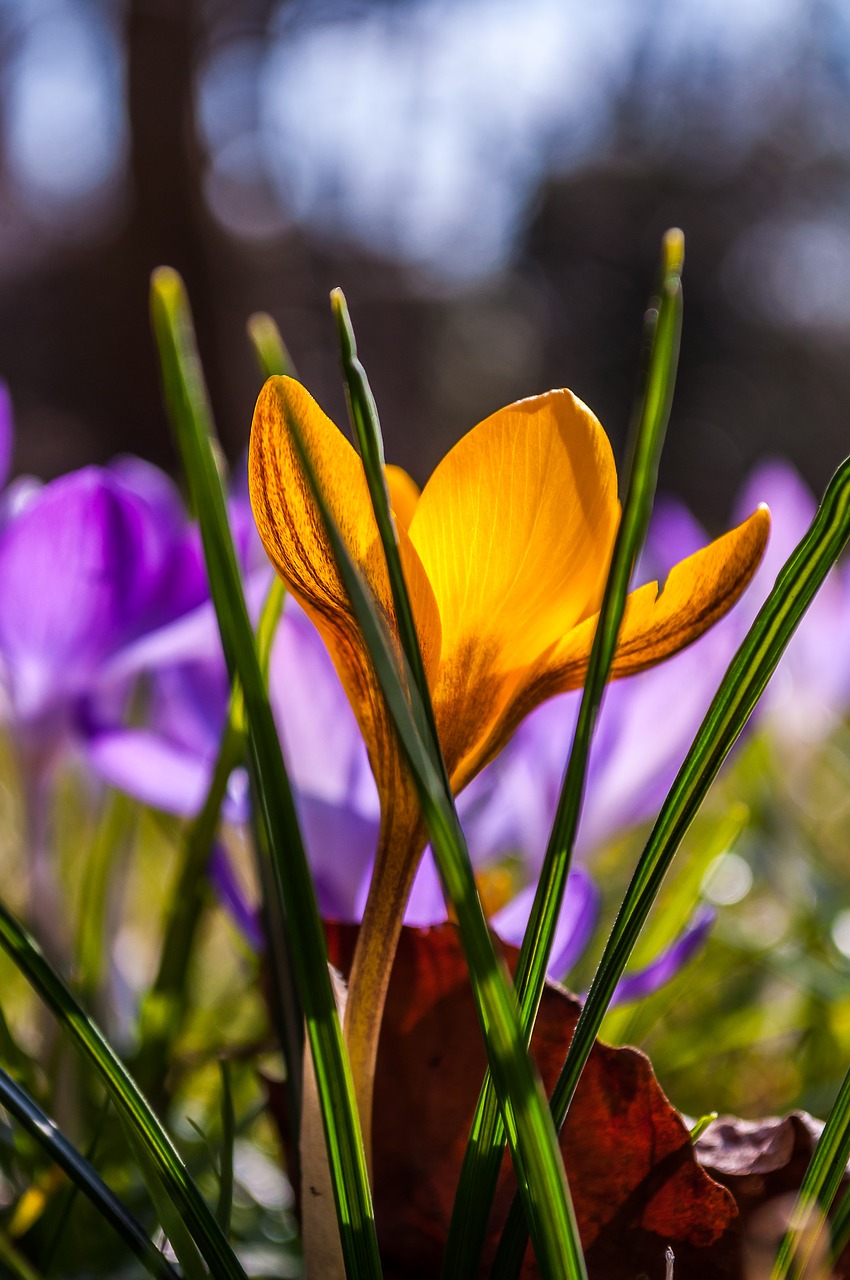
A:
<point x="150" y="768"/>
<point x="292" y="532"/>
<point x="404" y="494"/>
<point x="576" y="922"/>
<point x="7" y="434"/>
<point x="639" y="985"/>
<point x="656" y="624"/>
<point x="233" y="898"/>
<point x="515" y="528"/>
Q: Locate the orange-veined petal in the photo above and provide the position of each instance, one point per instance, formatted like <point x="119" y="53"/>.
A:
<point x="515" y="528"/>
<point x="404" y="494"/>
<point x="294" y="537"/>
<point x="656" y="624"/>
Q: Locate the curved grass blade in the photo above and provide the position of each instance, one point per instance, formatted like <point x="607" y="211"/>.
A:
<point x="172" y="1224"/>
<point x="365" y="423"/>
<point x="164" y="1006"/>
<point x="483" y="1157"/>
<point x="64" y="1154"/>
<point x="186" y="398"/>
<point x="269" y="347"/>
<point x="740" y="690"/>
<point x="818" y="1189"/>
<point x="224" y="1212"/>
<point x="532" y="1139"/>
<point x="25" y="953"/>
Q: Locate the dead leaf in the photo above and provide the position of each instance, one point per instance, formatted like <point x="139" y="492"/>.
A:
<point x="636" y="1184"/>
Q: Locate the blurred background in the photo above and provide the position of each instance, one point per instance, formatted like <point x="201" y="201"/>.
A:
<point x="488" y="182"/>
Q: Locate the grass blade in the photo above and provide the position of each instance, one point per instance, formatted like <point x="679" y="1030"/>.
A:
<point x="818" y="1189"/>
<point x="188" y="406"/>
<point x="740" y="690"/>
<point x="269" y="347"/>
<point x="179" y="1237"/>
<point x="532" y="1139"/>
<point x="45" y="1132"/>
<point x="483" y="1158"/>
<point x="131" y="1104"/>
<point x="164" y="1007"/>
<point x="228" y="1137"/>
<point x="366" y="426"/>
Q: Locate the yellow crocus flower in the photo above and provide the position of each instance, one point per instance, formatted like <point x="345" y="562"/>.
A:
<point x="505" y="555"/>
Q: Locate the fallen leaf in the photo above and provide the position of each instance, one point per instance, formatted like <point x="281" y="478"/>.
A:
<point x="762" y="1162"/>
<point x="636" y="1184"/>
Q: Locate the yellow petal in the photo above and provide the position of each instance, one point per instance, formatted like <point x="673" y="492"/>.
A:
<point x="404" y="494"/>
<point x="515" y="528"/>
<point x="294" y="537"/>
<point x="656" y="624"/>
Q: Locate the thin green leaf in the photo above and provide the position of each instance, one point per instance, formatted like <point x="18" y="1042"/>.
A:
<point x="818" y="1189"/>
<point x="112" y="837"/>
<point x="179" y="1237"/>
<point x="483" y="1158"/>
<point x="17" y="1266"/>
<point x="163" y="1010"/>
<point x="191" y="417"/>
<point x="64" y="1154"/>
<point x="365" y="423"/>
<point x="740" y="690"/>
<point x="269" y="347"/>
<point x="702" y="1124"/>
<point x="532" y="1139"/>
<point x="224" y="1211"/>
<point x="129" y="1101"/>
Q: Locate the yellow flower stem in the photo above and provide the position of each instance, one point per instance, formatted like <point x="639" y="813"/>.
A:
<point x="396" y="863"/>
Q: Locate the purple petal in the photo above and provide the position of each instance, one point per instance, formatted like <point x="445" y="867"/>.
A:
<point x="233" y="899"/>
<point x="575" y="924"/>
<point x="639" y="985"/>
<point x="341" y="849"/>
<point x="7" y="434"/>
<point x="426" y="904"/>
<point x="153" y="770"/>
<point x="673" y="535"/>
<point x="811" y="687"/>
<point x="325" y="752"/>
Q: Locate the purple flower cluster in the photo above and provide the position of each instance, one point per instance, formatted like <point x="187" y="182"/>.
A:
<point x="102" y="585"/>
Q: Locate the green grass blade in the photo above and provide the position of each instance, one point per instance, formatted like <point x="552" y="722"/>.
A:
<point x="64" y="1154"/>
<point x="17" y="1267"/>
<point x="224" y="1211"/>
<point x="483" y="1158"/>
<point x="187" y="402"/>
<point x="531" y="1136"/>
<point x="164" y="1007"/>
<point x="269" y="347"/>
<point x="363" y="413"/>
<point x="130" y="1103"/>
<point x="740" y="690"/>
<point x="179" y="1237"/>
<point x="818" y="1189"/>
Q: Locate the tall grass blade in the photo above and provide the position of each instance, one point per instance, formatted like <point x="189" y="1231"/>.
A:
<point x="818" y="1189"/>
<point x="130" y="1103"/>
<point x="64" y="1154"/>
<point x="269" y="347"/>
<point x="740" y="690"/>
<point x="532" y="1139"/>
<point x="186" y="398"/>
<point x="224" y="1211"/>
<point x="483" y="1158"/>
